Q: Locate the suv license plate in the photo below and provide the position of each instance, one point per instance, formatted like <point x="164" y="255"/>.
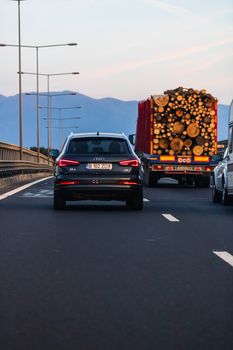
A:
<point x="184" y="168"/>
<point x="99" y="166"/>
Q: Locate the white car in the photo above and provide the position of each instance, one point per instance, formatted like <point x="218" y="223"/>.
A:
<point x="222" y="188"/>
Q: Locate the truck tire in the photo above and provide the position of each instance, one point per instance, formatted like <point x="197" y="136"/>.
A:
<point x="202" y="181"/>
<point x="59" y="202"/>
<point x="205" y="182"/>
<point x="189" y="181"/>
<point x="216" y="195"/>
<point x="181" y="182"/>
<point x="197" y="182"/>
<point x="135" y="202"/>
<point x="150" y="179"/>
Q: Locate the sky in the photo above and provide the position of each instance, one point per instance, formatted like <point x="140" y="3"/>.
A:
<point x="127" y="49"/>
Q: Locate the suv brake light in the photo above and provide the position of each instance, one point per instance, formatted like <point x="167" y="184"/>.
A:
<point x="67" y="162"/>
<point x="132" y="162"/>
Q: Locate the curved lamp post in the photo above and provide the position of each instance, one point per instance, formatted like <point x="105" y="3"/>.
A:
<point x="37" y="47"/>
<point x="60" y="109"/>
<point x="49" y="96"/>
<point x="37" y="98"/>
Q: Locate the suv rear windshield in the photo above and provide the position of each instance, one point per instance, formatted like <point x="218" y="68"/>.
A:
<point x="94" y="145"/>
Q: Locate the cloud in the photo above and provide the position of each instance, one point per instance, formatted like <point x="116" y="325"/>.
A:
<point x="211" y="61"/>
<point x="164" y="6"/>
<point x="170" y="56"/>
<point x="216" y="16"/>
<point x="223" y="13"/>
<point x="197" y="49"/>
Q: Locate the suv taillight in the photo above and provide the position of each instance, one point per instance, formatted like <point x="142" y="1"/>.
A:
<point x="67" y="162"/>
<point x="132" y="162"/>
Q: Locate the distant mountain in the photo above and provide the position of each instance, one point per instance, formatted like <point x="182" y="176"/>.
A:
<point x="106" y="115"/>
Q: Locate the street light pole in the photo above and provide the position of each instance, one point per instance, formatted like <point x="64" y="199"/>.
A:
<point x="37" y="47"/>
<point x="61" y="119"/>
<point x="37" y="104"/>
<point x="48" y="103"/>
<point x="20" y="85"/>
<point x="20" y="88"/>
<point x="49" y="96"/>
<point x="49" y="116"/>
<point x="65" y="127"/>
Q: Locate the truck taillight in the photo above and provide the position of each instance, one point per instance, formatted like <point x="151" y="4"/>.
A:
<point x="201" y="159"/>
<point x="167" y="158"/>
<point x="67" y="162"/>
<point x="132" y="162"/>
<point x="158" y="167"/>
<point x="122" y="182"/>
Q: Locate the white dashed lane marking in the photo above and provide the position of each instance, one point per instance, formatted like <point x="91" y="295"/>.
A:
<point x="146" y="200"/>
<point x="21" y="188"/>
<point x="170" y="217"/>
<point x="227" y="257"/>
<point x="38" y="194"/>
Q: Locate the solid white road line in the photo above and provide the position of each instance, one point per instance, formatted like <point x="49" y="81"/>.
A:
<point x="170" y="217"/>
<point x="21" y="188"/>
<point x="146" y="200"/>
<point x="227" y="257"/>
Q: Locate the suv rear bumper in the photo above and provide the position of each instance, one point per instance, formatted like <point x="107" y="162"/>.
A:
<point x="97" y="192"/>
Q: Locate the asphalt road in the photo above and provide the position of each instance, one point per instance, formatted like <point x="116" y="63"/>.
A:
<point x="99" y="277"/>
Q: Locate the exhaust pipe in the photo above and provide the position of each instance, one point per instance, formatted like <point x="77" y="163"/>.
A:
<point x="77" y="195"/>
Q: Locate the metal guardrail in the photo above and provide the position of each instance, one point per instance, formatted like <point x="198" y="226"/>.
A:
<point x="10" y="163"/>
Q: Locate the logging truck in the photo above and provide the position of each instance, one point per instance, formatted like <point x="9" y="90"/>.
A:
<point x="176" y="136"/>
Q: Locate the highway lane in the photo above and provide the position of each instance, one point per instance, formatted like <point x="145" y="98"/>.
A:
<point x="98" y="276"/>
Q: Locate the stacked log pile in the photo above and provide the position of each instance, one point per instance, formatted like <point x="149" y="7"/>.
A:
<point x="184" y="123"/>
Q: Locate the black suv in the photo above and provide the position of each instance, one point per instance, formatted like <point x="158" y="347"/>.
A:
<point x="98" y="166"/>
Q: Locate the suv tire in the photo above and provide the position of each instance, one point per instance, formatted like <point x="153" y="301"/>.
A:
<point x="59" y="202"/>
<point x="202" y="182"/>
<point x="135" y="202"/>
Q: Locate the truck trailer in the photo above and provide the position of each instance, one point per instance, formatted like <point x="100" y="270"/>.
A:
<point x="176" y="136"/>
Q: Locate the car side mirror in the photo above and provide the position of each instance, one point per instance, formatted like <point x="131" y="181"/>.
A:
<point x="132" y="139"/>
<point x="54" y="153"/>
